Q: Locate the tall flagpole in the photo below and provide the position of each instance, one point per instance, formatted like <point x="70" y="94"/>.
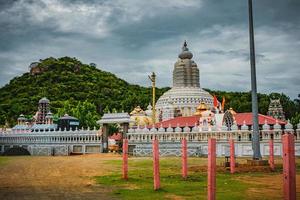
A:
<point x="255" y="138"/>
<point x="153" y="80"/>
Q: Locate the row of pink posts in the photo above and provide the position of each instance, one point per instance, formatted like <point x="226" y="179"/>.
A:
<point x="156" y="177"/>
<point x="232" y="156"/>
<point x="211" y="169"/>
<point x="289" y="164"/>
<point x="289" y="167"/>
<point x="125" y="159"/>
<point x="184" y="158"/>
<point x="271" y="155"/>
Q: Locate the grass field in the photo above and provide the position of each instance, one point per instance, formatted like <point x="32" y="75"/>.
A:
<point x="249" y="183"/>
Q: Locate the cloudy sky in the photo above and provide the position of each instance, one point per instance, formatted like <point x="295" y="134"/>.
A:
<point x="132" y="38"/>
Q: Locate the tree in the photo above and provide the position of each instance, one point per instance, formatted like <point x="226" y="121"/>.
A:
<point x="295" y="119"/>
<point x="86" y="113"/>
<point x="106" y="109"/>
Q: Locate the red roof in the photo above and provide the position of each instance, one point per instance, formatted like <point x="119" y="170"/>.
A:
<point x="180" y="121"/>
<point x="247" y="117"/>
<point x="239" y="117"/>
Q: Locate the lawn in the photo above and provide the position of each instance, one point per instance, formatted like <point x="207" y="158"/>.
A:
<point x="252" y="184"/>
<point x="3" y="160"/>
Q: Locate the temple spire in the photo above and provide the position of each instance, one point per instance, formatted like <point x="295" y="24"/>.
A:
<point x="184" y="47"/>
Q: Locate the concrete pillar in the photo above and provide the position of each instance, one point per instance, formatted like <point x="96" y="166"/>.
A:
<point x="105" y="138"/>
<point x="271" y="154"/>
<point x="184" y="158"/>
<point x="211" y="170"/>
<point x="156" y="176"/>
<point x="232" y="156"/>
<point x="125" y="159"/>
<point x="289" y="167"/>
<point x="125" y="127"/>
<point x="83" y="149"/>
<point x="298" y="134"/>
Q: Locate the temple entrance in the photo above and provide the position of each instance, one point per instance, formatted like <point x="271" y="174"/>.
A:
<point x="121" y="119"/>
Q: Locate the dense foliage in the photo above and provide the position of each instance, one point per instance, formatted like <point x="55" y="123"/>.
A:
<point x="86" y="92"/>
<point x="67" y="82"/>
<point x="241" y="102"/>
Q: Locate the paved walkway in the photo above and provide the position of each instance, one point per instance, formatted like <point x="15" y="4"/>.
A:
<point x="53" y="177"/>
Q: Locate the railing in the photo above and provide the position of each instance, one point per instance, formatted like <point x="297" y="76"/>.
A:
<point x="49" y="137"/>
<point x="176" y="134"/>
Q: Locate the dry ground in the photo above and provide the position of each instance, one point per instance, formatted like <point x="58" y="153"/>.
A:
<point x="69" y="177"/>
<point x="72" y="177"/>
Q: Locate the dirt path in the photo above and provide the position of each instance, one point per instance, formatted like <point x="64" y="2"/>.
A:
<point x="53" y="177"/>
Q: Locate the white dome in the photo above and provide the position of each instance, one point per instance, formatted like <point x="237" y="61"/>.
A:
<point x="183" y="98"/>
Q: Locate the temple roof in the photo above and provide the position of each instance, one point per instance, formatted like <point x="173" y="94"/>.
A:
<point x="21" y="127"/>
<point x="114" y="118"/>
<point x="66" y="116"/>
<point x="179" y="121"/>
<point x="239" y="117"/>
<point x="247" y="117"/>
<point x="21" y="117"/>
<point x="44" y="100"/>
<point x="44" y="126"/>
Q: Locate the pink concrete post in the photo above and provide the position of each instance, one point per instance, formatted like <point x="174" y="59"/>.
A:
<point x="184" y="158"/>
<point x="289" y="167"/>
<point x="125" y="159"/>
<point x="211" y="170"/>
<point x="271" y="156"/>
<point x="232" y="156"/>
<point x="156" y="177"/>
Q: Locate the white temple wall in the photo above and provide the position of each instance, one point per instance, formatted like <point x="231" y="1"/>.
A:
<point x="47" y="143"/>
<point x="200" y="149"/>
<point x="197" y="141"/>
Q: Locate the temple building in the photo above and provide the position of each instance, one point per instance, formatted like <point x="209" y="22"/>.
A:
<point x="43" y="120"/>
<point x="186" y="94"/>
<point x="275" y="109"/>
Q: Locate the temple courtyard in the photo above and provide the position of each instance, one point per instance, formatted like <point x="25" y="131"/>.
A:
<point x="99" y="177"/>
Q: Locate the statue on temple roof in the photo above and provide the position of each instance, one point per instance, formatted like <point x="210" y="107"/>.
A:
<point x="140" y="117"/>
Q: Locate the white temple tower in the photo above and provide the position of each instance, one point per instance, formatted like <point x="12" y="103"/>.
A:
<point x="186" y="93"/>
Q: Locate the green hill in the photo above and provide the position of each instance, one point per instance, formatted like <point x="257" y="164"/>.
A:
<point x="65" y="79"/>
<point x="67" y="82"/>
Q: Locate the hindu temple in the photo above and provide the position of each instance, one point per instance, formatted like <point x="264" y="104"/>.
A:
<point x="186" y="94"/>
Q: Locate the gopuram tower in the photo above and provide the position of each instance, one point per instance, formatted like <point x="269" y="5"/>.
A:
<point x="275" y="109"/>
<point x="44" y="108"/>
<point x="186" y="93"/>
